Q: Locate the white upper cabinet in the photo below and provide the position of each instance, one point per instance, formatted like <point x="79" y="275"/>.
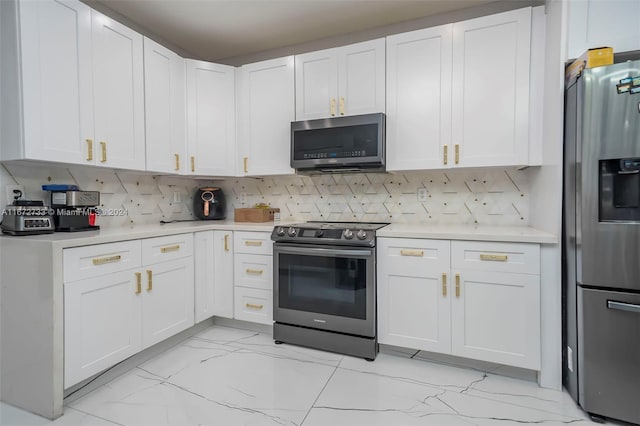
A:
<point x="165" y="109"/>
<point x="490" y="90"/>
<point x="266" y="108"/>
<point x="119" y="94"/>
<point x="47" y="47"/>
<point x="81" y="75"/>
<point x="418" y="98"/>
<point x="348" y="80"/>
<point x="597" y="23"/>
<point x="211" y="134"/>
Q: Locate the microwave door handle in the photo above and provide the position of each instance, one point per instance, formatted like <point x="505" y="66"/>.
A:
<point x="323" y="251"/>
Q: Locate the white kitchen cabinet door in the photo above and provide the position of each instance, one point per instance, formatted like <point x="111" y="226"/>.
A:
<point x="496" y="317"/>
<point x="596" y="23"/>
<point x="419" y="98"/>
<point x="316" y="84"/>
<point x="266" y="108"/>
<point x="213" y="274"/>
<point x="490" y="95"/>
<point x="361" y="78"/>
<point x="57" y="92"/>
<point x="165" y="109"/>
<point x="414" y="294"/>
<point x="119" y="94"/>
<point x="211" y="134"/>
<point x="168" y="302"/>
<point x="102" y="317"/>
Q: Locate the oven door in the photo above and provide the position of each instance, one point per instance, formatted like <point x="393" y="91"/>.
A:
<point x="325" y="287"/>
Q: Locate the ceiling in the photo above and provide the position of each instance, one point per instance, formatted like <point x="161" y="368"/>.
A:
<point x="217" y="29"/>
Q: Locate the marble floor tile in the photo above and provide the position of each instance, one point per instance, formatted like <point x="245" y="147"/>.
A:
<point x="225" y="376"/>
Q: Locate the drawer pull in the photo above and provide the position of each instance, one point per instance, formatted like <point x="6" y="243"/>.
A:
<point x="177" y="161"/>
<point x="110" y="259"/>
<point x="255" y="271"/>
<point x="494" y="257"/>
<point x="457" y="151"/>
<point x="253" y="243"/>
<point x="150" y="278"/>
<point x="193" y="163"/>
<point x="621" y="306"/>
<point x="457" y="285"/>
<point x="170" y="248"/>
<point x="89" y="149"/>
<point x="253" y="306"/>
<point x="445" y="150"/>
<point x="226" y="242"/>
<point x="444" y="285"/>
<point x="138" y="283"/>
<point x="415" y="253"/>
<point x="103" y="145"/>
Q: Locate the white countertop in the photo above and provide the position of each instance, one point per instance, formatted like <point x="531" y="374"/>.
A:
<point x="110" y="235"/>
<point x="447" y="232"/>
<point x="517" y="234"/>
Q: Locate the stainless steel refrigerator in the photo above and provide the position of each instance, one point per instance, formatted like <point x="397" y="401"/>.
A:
<point x="601" y="232"/>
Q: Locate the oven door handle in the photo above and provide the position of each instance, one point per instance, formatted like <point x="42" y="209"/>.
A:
<point x="323" y="251"/>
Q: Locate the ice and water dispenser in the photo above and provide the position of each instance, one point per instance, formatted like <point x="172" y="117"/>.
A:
<point x="620" y="190"/>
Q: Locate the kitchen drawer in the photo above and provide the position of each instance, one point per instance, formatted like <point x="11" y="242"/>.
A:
<point x="100" y="259"/>
<point x="253" y="242"/>
<point x="162" y="249"/>
<point x="498" y="257"/>
<point x="404" y="254"/>
<point x="253" y="270"/>
<point x="253" y="305"/>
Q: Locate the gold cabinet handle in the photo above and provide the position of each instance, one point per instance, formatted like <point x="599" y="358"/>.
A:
<point x="415" y="253"/>
<point x="177" y="161"/>
<point x="245" y="160"/>
<point x="255" y="271"/>
<point x="253" y="306"/>
<point x="341" y="105"/>
<point x="170" y="248"/>
<point x="103" y="146"/>
<point x="494" y="257"/>
<point x="457" y="285"/>
<point x="333" y="107"/>
<point x="149" y="279"/>
<point x="226" y="242"/>
<point x="89" y="149"/>
<point x="138" y="283"/>
<point x="457" y="153"/>
<point x="193" y="163"/>
<point x="446" y="154"/>
<point x="444" y="284"/>
<point x="109" y="259"/>
<point x="253" y="243"/>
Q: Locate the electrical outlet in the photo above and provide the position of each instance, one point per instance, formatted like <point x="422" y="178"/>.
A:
<point x="176" y="197"/>
<point x="243" y="197"/>
<point x="422" y="194"/>
<point x="11" y="195"/>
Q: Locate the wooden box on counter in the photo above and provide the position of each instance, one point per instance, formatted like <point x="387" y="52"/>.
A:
<point x="255" y="215"/>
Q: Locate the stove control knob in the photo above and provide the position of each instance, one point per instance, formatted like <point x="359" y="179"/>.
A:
<point x="280" y="231"/>
<point x="348" y="234"/>
<point x="362" y="234"/>
<point x="292" y="231"/>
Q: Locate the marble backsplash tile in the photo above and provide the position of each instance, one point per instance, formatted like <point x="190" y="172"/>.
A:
<point x="483" y="196"/>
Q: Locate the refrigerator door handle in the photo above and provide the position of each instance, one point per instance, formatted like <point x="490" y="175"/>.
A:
<point x="620" y="306"/>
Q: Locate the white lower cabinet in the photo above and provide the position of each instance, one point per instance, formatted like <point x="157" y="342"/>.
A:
<point x="476" y="300"/>
<point x="102" y="317"/>
<point x="213" y="274"/>
<point x="109" y="316"/>
<point x="253" y="277"/>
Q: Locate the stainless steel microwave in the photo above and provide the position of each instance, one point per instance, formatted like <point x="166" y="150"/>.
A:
<point x="341" y="144"/>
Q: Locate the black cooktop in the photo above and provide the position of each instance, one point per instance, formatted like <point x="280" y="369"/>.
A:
<point x="337" y="233"/>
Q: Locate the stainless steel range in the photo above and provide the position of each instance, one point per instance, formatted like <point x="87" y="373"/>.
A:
<point x="324" y="279"/>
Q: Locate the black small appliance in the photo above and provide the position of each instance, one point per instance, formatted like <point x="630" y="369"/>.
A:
<point x="209" y="204"/>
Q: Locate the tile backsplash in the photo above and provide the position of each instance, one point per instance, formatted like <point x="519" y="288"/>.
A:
<point x="483" y="196"/>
